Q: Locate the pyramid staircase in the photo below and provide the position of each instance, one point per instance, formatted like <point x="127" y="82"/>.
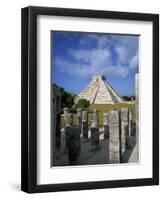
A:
<point x="99" y="91"/>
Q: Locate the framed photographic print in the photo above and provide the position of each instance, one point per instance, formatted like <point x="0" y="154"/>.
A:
<point x="90" y="99"/>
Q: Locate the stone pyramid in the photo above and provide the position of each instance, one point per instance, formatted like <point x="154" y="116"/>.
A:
<point x="99" y="91"/>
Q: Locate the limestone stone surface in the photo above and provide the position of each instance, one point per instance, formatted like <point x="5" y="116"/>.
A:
<point x="85" y="124"/>
<point x="114" y="137"/>
<point x="66" y="111"/>
<point x="130" y="123"/>
<point x="137" y="108"/>
<point x="95" y="120"/>
<point x="95" y="136"/>
<point x="79" y="116"/>
<point x="99" y="91"/>
<point x="73" y="144"/>
<point x="79" y="119"/>
<point x="124" y="129"/>
<point x="106" y="125"/>
<point x="69" y="119"/>
<point x="95" y="129"/>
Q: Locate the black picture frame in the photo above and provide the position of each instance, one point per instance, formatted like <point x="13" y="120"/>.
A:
<point x="29" y="99"/>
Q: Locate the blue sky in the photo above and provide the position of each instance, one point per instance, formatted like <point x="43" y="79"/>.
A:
<point x="76" y="57"/>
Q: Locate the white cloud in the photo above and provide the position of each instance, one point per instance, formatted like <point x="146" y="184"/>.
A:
<point x="73" y="68"/>
<point x="99" y="59"/>
<point x="103" y="41"/>
<point x="134" y="62"/>
<point x="80" y="55"/>
<point x="95" y="57"/>
<point x="88" y="70"/>
<point x="122" y="54"/>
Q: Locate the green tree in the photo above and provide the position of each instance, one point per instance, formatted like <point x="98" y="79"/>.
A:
<point x="82" y="103"/>
<point x="67" y="99"/>
<point x="128" y="98"/>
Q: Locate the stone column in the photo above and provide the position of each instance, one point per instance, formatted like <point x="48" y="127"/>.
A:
<point x="106" y="125"/>
<point x="95" y="129"/>
<point x="137" y="109"/>
<point x="65" y="112"/>
<point x="68" y="124"/>
<point x="53" y="134"/>
<point x="114" y="137"/>
<point x="79" y="119"/>
<point x="69" y="120"/>
<point x="85" y="124"/>
<point x="130" y="123"/>
<point x="124" y="130"/>
<point x="58" y="130"/>
<point x="73" y="144"/>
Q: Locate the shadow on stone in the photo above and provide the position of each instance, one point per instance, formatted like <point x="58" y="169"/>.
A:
<point x="129" y="151"/>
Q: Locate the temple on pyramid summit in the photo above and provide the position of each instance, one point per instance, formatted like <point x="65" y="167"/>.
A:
<point x="99" y="91"/>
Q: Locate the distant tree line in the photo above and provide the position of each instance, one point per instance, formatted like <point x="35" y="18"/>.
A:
<point x="128" y="98"/>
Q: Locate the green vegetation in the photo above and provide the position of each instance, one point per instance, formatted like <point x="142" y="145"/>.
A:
<point x="127" y="98"/>
<point x="67" y="99"/>
<point x="82" y="103"/>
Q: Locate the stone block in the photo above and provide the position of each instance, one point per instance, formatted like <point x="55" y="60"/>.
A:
<point x="73" y="144"/>
<point x="124" y="130"/>
<point x="114" y="137"/>
<point x="95" y="136"/>
<point x="84" y="124"/>
<point x="106" y="125"/>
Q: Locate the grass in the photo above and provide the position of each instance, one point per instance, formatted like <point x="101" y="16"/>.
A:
<point x="102" y="108"/>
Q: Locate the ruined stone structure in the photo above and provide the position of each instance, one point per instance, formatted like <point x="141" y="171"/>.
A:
<point x="124" y="129"/>
<point x="91" y="136"/>
<point x="137" y="109"/>
<point x="56" y="129"/>
<point x="99" y="91"/>
<point x="95" y="129"/>
<point x="114" y="137"/>
<point x="116" y="145"/>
